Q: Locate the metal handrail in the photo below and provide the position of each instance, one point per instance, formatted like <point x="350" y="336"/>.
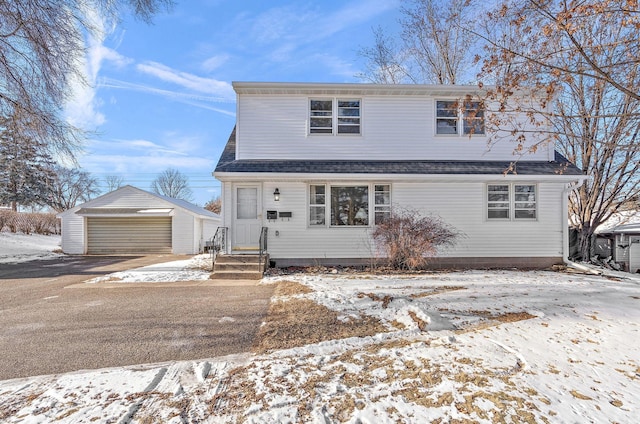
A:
<point x="263" y="243"/>
<point x="218" y="244"/>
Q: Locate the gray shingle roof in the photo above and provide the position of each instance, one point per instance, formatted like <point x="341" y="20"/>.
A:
<point x="228" y="163"/>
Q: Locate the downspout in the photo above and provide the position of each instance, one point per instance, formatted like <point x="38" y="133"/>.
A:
<point x="565" y="228"/>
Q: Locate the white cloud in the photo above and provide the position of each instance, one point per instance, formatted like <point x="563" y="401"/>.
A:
<point x="294" y="26"/>
<point x="214" y="62"/>
<point x="82" y="110"/>
<point x="152" y="149"/>
<point x="184" y="79"/>
<point x="196" y="100"/>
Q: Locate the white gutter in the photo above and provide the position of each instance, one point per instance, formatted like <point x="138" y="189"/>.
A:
<point x="565" y="228"/>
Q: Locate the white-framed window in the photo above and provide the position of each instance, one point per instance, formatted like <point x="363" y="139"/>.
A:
<point x="512" y="201"/>
<point x="459" y="117"/>
<point x="317" y="204"/>
<point x="323" y="120"/>
<point x="382" y="203"/>
<point x="348" y="205"/>
<point x="321" y="116"/>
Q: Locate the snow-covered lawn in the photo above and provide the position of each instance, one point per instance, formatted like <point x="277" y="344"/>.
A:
<point x="477" y="346"/>
<point x="16" y="248"/>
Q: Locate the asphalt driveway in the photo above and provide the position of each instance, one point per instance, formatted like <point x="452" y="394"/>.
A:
<point x="49" y="323"/>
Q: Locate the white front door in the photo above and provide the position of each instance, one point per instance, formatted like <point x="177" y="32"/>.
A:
<point x="247" y="218"/>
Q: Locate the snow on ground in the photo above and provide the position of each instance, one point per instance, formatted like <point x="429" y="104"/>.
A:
<point x="527" y="347"/>
<point x="195" y="268"/>
<point x="20" y="247"/>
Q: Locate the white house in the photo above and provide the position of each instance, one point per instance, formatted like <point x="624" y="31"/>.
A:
<point x="316" y="166"/>
<point x="131" y="221"/>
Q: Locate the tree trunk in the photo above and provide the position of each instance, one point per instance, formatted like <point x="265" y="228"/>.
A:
<point x="586" y="242"/>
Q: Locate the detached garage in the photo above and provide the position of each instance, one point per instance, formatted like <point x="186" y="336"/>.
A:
<point x="133" y="221"/>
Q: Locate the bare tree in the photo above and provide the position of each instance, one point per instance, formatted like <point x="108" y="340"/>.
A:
<point x="172" y="183"/>
<point x="214" y="205"/>
<point x="436" y="45"/>
<point x="41" y="47"/>
<point x="113" y="182"/>
<point x="583" y="59"/>
<point x="385" y="61"/>
<point x="70" y="187"/>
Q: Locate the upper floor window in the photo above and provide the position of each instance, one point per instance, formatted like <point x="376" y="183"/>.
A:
<point x="459" y="117"/>
<point x="321" y="117"/>
<point x="323" y="120"/>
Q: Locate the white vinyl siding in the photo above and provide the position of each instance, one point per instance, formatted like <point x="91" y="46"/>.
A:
<point x="73" y="231"/>
<point x="461" y="204"/>
<point x="391" y="128"/>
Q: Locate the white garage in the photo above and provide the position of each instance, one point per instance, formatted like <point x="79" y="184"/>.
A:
<point x="133" y="221"/>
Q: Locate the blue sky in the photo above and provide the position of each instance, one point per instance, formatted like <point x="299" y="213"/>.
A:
<point x="161" y="94"/>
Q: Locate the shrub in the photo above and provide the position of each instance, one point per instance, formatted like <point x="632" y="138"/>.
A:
<point x="408" y="239"/>
<point x="28" y="223"/>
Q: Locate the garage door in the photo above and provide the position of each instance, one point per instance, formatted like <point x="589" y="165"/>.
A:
<point x="128" y="235"/>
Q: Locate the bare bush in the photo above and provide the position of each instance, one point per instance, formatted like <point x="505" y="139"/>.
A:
<point x="29" y="223"/>
<point x="408" y="239"/>
<point x="5" y="215"/>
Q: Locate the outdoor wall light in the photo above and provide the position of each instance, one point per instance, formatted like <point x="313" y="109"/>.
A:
<point x="276" y="195"/>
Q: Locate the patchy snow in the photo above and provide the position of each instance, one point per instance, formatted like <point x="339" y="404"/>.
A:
<point x="18" y="247"/>
<point x="527" y="347"/>
<point x="193" y="269"/>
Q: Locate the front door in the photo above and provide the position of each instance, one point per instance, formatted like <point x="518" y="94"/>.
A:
<point x="247" y="219"/>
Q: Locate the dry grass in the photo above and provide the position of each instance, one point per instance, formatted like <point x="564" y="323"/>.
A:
<point x="493" y="320"/>
<point x="436" y="290"/>
<point x="291" y="288"/>
<point x="298" y="322"/>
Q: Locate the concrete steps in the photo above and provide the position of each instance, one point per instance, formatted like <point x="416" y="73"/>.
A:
<point x="239" y="267"/>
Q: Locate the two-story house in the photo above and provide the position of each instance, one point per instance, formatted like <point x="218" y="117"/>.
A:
<point x="318" y="165"/>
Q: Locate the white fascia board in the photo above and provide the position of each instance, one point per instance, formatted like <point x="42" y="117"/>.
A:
<point x="309" y="88"/>
<point x="272" y="176"/>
